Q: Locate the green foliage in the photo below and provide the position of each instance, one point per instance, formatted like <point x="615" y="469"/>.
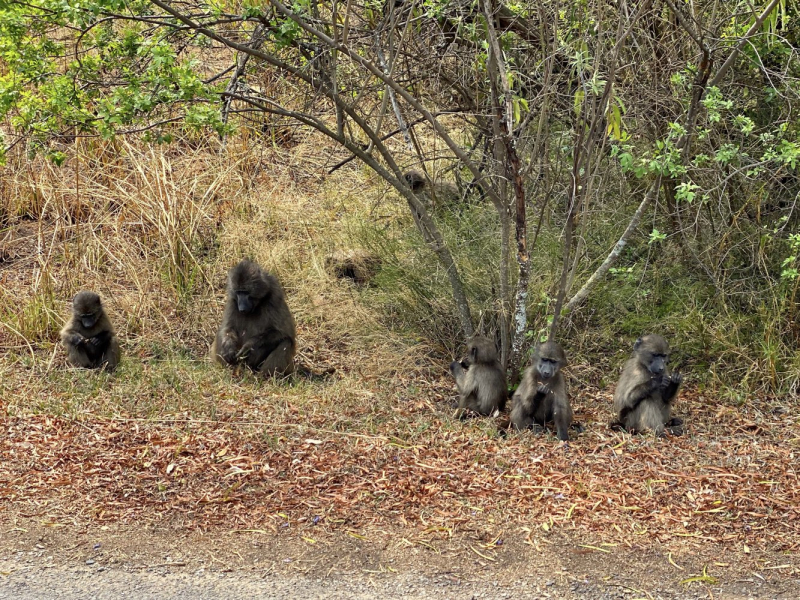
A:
<point x="789" y="265"/>
<point x="97" y="76"/>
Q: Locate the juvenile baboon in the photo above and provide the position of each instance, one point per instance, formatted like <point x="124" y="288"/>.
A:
<point x="440" y="194"/>
<point x="257" y="328"/>
<point x="358" y="265"/>
<point x="88" y="336"/>
<point x="415" y="180"/>
<point x="646" y="389"/>
<point x="480" y="379"/>
<point x="542" y="395"/>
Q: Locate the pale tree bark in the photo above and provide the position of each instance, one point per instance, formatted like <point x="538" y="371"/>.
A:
<point x="505" y="121"/>
<point x="615" y="253"/>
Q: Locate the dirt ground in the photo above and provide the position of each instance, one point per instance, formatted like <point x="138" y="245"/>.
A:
<point x="39" y="561"/>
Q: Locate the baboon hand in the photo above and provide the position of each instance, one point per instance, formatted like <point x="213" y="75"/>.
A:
<point x="77" y="339"/>
<point x="543" y="388"/>
<point x="668" y="380"/>
<point x="244" y="351"/>
<point x="227" y="348"/>
<point x="94" y="341"/>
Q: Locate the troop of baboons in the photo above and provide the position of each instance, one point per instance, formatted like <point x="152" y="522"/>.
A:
<point x="258" y="331"/>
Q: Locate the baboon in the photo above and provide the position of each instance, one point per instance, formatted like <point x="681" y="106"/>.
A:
<point x="88" y="336"/>
<point x="415" y="180"/>
<point x="542" y="395"/>
<point x="646" y="389"/>
<point x="480" y="379"/>
<point x="257" y="328"/>
<point x="358" y="265"/>
<point x="440" y="194"/>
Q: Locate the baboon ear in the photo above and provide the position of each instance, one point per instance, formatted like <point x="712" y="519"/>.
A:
<point x="637" y="343"/>
<point x="474" y="353"/>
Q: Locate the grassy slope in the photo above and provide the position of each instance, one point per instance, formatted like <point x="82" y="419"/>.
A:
<point x="173" y="439"/>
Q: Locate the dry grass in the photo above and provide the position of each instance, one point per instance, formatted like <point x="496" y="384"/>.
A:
<point x="154" y="232"/>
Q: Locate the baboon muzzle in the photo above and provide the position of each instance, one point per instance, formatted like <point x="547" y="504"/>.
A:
<point x="243" y="302"/>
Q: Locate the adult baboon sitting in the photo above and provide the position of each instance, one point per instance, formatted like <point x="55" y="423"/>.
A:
<point x="646" y="389"/>
<point x="257" y="328"/>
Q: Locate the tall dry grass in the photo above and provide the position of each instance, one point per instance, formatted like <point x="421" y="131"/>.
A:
<point x="154" y="230"/>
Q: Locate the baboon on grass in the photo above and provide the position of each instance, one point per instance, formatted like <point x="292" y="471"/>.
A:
<point x="88" y="336"/>
<point x="257" y="328"/>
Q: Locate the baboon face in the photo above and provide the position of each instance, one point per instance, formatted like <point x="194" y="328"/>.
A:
<point x="415" y="180"/>
<point x="548" y="360"/>
<point x="652" y="352"/>
<point x="246" y="286"/>
<point x="87" y="308"/>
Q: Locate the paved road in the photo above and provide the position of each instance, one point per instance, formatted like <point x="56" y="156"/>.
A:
<point x="59" y="583"/>
<point x="69" y="584"/>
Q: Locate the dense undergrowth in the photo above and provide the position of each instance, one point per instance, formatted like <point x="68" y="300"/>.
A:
<point x="154" y="229"/>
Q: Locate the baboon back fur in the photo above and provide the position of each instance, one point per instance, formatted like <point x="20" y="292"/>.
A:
<point x="480" y="379"/>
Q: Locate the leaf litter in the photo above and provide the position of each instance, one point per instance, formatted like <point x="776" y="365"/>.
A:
<point x="732" y="480"/>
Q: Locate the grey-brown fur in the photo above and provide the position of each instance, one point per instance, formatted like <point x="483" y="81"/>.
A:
<point x="359" y="265"/>
<point x="646" y="390"/>
<point x="88" y="337"/>
<point x="480" y="379"/>
<point x="542" y="395"/>
<point x="415" y="180"/>
<point x="257" y="327"/>
<point x="439" y="194"/>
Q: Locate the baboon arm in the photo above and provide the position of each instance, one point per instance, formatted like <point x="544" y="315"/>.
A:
<point x="101" y="339"/>
<point x="225" y="346"/>
<point x="228" y="332"/>
<point x="537" y="400"/>
<point x="71" y="338"/>
<point x="562" y="427"/>
<point x="671" y="391"/>
<point x="97" y="345"/>
<point x="258" y="348"/>
<point x="78" y="357"/>
<point x="635" y="396"/>
<point x="562" y="416"/>
<point x="112" y="355"/>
